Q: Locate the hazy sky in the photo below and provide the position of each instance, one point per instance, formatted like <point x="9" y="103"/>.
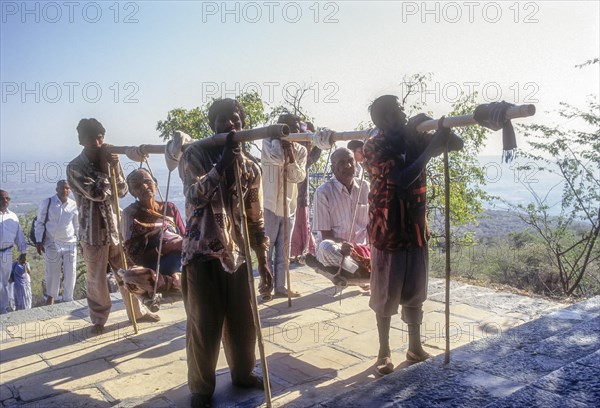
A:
<point x="129" y="63"/>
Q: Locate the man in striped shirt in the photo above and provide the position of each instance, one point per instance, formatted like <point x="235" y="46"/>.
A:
<point x="89" y="176"/>
<point x="334" y="206"/>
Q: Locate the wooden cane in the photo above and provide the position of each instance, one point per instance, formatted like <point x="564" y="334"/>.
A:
<point x="286" y="231"/>
<point x="123" y="259"/>
<point x="254" y="302"/>
<point x="447" y="234"/>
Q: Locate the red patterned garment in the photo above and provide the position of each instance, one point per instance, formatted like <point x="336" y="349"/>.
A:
<point x="397" y="215"/>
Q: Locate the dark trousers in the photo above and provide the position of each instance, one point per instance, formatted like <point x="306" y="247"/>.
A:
<point x="217" y="305"/>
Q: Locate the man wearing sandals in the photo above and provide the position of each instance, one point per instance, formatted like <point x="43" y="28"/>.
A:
<point x="395" y="160"/>
<point x="275" y="155"/>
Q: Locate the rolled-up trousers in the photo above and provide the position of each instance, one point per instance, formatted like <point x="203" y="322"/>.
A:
<point x="97" y="258"/>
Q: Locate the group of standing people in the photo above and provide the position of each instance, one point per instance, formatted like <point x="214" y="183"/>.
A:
<point x="391" y="217"/>
<point x="377" y="228"/>
<point x="55" y="229"/>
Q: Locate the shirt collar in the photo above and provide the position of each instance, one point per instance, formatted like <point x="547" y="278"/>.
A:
<point x="340" y="187"/>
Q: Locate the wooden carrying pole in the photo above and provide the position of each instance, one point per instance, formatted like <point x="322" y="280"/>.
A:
<point x="513" y="112"/>
<point x="273" y="131"/>
<point x="253" y="301"/>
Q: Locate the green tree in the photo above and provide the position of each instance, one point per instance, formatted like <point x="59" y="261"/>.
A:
<point x="292" y="103"/>
<point x="573" y="155"/>
<point x="467" y="195"/>
<point x="467" y="178"/>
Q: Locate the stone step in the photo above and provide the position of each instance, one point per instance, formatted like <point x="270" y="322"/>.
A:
<point x="553" y="361"/>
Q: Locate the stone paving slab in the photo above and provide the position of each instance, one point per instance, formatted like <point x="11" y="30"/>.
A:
<point x="153" y="380"/>
<point x="493" y="372"/>
<point x="84" y="398"/>
<point x="522" y="366"/>
<point x="51" y="381"/>
<point x="574" y="381"/>
<point x="534" y="397"/>
<point x="578" y="342"/>
<point x="300" y="338"/>
<point x="19" y="368"/>
<point x="317" y="349"/>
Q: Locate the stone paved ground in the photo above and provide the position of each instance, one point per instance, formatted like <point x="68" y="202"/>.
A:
<point x="550" y="362"/>
<point x="318" y="349"/>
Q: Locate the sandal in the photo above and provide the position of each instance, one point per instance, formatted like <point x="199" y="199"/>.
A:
<point x="414" y="358"/>
<point x="384" y="366"/>
<point x="285" y="294"/>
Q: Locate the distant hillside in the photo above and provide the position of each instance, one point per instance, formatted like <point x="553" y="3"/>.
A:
<point x="492" y="224"/>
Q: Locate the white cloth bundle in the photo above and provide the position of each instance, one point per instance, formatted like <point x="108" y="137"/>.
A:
<point x="323" y="139"/>
<point x="174" y="151"/>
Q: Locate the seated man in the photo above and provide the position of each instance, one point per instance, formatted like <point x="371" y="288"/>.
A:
<point x="334" y="208"/>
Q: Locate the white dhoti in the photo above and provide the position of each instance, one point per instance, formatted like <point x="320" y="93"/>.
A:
<point x="329" y="254"/>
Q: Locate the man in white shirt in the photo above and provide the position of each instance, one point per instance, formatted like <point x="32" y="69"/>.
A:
<point x="274" y="154"/>
<point x="334" y="203"/>
<point x="11" y="235"/>
<point x="57" y="239"/>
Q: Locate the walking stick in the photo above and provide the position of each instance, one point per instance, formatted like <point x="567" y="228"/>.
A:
<point x="123" y="259"/>
<point x="254" y="302"/>
<point x="447" y="234"/>
<point x="286" y="232"/>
